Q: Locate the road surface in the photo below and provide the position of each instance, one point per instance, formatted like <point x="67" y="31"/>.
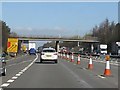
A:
<point x="27" y="72"/>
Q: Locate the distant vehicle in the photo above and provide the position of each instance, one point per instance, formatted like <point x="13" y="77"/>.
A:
<point x="3" y="64"/>
<point x="32" y="45"/>
<point x="49" y="54"/>
<point x="103" y="48"/>
<point x="24" y="48"/>
<point x="32" y="51"/>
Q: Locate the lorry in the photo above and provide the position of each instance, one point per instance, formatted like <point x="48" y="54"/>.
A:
<point x="32" y="45"/>
<point x="103" y="48"/>
<point x="115" y="48"/>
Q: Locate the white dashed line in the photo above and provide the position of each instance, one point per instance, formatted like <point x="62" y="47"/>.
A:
<point x="9" y="81"/>
<point x="14" y="77"/>
<point x="19" y="74"/>
<point x="5" y="85"/>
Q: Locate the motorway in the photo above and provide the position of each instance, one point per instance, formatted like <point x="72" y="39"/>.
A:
<point x="27" y="72"/>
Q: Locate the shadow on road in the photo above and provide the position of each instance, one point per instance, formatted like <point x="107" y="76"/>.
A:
<point x="45" y="62"/>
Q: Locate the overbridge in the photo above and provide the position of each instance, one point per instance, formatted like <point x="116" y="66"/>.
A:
<point x="57" y="39"/>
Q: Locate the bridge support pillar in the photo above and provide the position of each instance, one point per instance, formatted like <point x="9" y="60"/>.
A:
<point x="57" y="46"/>
<point x="78" y="44"/>
<point x="92" y="48"/>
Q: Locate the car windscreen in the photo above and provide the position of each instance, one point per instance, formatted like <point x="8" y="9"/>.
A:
<point x="48" y="50"/>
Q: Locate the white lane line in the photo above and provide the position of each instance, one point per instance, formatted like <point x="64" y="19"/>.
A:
<point x="14" y="77"/>
<point x="82" y="82"/>
<point x="5" y="85"/>
<point x="9" y="81"/>
<point x="21" y="72"/>
<point x="18" y="75"/>
<point x="84" y="68"/>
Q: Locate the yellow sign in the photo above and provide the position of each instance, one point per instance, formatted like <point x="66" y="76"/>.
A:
<point x="24" y="48"/>
<point x="12" y="45"/>
<point x="107" y="57"/>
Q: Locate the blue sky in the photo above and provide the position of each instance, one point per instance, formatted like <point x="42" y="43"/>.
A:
<point x="57" y="18"/>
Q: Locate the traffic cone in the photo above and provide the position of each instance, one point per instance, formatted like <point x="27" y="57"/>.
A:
<point x="67" y="56"/>
<point x="78" y="61"/>
<point x="107" y="71"/>
<point x="72" y="58"/>
<point x="90" y="65"/>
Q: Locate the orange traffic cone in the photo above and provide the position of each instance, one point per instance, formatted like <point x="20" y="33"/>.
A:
<point x="107" y="71"/>
<point x="72" y="59"/>
<point x="67" y="56"/>
<point x="78" y="61"/>
<point x="90" y="65"/>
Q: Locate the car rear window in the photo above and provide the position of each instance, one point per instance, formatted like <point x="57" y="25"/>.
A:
<point x="48" y="50"/>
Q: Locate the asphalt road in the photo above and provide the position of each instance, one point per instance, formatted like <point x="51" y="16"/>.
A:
<point x="27" y="72"/>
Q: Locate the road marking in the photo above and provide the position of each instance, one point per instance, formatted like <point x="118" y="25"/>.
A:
<point x="9" y="81"/>
<point x="82" y="82"/>
<point x="18" y="75"/>
<point x="5" y="85"/>
<point x="21" y="72"/>
<point x="84" y="68"/>
<point x="14" y="77"/>
<point x="74" y="64"/>
<point x="101" y="76"/>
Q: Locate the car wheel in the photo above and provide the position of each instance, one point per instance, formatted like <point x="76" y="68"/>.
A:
<point x="4" y="72"/>
<point x="41" y="60"/>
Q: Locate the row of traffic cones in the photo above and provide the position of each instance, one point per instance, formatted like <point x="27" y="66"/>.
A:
<point x="107" y="71"/>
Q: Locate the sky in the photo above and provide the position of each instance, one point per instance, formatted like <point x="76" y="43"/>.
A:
<point x="57" y="18"/>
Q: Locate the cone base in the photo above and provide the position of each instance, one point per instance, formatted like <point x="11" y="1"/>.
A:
<point x="78" y="62"/>
<point x="90" y="66"/>
<point x="72" y="60"/>
<point x="107" y="72"/>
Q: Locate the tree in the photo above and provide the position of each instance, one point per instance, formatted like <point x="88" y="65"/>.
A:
<point x="5" y="34"/>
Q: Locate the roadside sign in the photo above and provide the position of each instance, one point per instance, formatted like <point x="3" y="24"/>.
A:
<point x="12" y="45"/>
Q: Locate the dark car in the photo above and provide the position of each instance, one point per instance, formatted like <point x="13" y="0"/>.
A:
<point x="32" y="51"/>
